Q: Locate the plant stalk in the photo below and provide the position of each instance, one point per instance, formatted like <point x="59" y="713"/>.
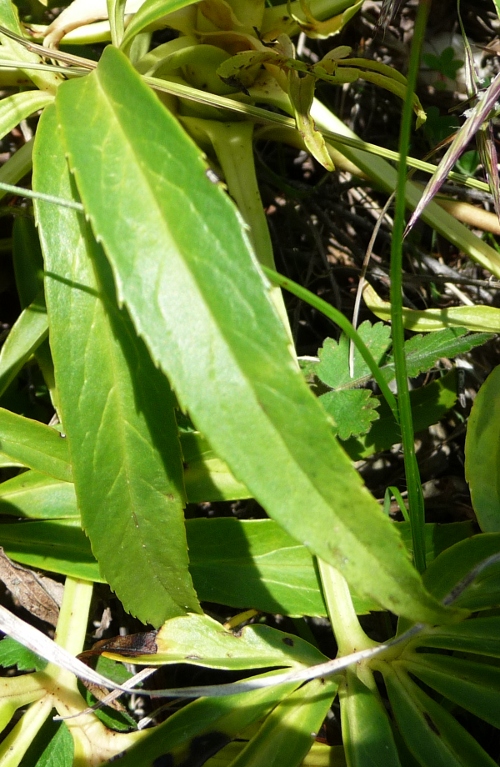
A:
<point x="415" y="495"/>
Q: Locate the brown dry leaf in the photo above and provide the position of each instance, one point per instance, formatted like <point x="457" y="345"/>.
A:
<point x="40" y="595"/>
<point x="129" y="646"/>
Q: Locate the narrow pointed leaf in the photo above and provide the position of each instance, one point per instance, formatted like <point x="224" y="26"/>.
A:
<point x="184" y="268"/>
<point x="478" y="635"/>
<point x="301" y="92"/>
<point x="474" y="686"/>
<point x="117" y="411"/>
<point x="432" y="735"/>
<point x="454" y="564"/>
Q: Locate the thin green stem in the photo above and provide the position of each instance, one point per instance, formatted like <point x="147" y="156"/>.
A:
<point x="338" y="318"/>
<point x="415" y="496"/>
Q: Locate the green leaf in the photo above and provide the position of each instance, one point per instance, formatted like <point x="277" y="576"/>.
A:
<point x="457" y="562"/>
<point x="482" y="454"/>
<point x="14" y="654"/>
<point x="416" y="728"/>
<point x="202" y="641"/>
<point x="200" y="302"/>
<point x="19" y="106"/>
<point x="366" y="731"/>
<point x="152" y="14"/>
<point x="287" y="734"/>
<point x="353" y="411"/>
<point x="58" y="547"/>
<point x="301" y="92"/>
<point x="202" y="728"/>
<point x="252" y="563"/>
<point x="474" y="686"/>
<point x="28" y="260"/>
<point x="476" y="635"/>
<point x="37" y="496"/>
<point x="26" y="335"/>
<point x="206" y="477"/>
<point x="432" y="735"/>
<point x="333" y="368"/>
<point x="428" y="404"/>
<point x="117" y="411"/>
<point x="34" y="445"/>
<point x="60" y="750"/>
<point x="423" y="351"/>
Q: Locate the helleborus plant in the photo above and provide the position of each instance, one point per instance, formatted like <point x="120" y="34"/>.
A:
<point x="149" y="292"/>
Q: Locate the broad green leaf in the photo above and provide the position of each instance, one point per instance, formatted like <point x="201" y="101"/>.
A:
<point x="202" y="641"/>
<point x="457" y="562"/>
<point x="33" y="495"/>
<point x="14" y="654"/>
<point x="482" y="454"/>
<point x="60" y="750"/>
<point x="26" y="335"/>
<point x="428" y="404"/>
<point x="58" y="547"/>
<point x="34" y="445"/>
<point x="366" y="731"/>
<point x="353" y="411"/>
<point x="202" y="728"/>
<point x="253" y="563"/>
<point x="333" y="368"/>
<point x="201" y="303"/>
<point x="117" y="411"/>
<point x="19" y="106"/>
<point x="474" y="686"/>
<point x="288" y="732"/>
<point x="432" y="735"/>
<point x="476" y="635"/>
<point x="151" y="14"/>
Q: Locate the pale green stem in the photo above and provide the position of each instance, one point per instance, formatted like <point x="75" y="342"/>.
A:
<point x="72" y="624"/>
<point x="349" y="635"/>
<point x="19" y="739"/>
